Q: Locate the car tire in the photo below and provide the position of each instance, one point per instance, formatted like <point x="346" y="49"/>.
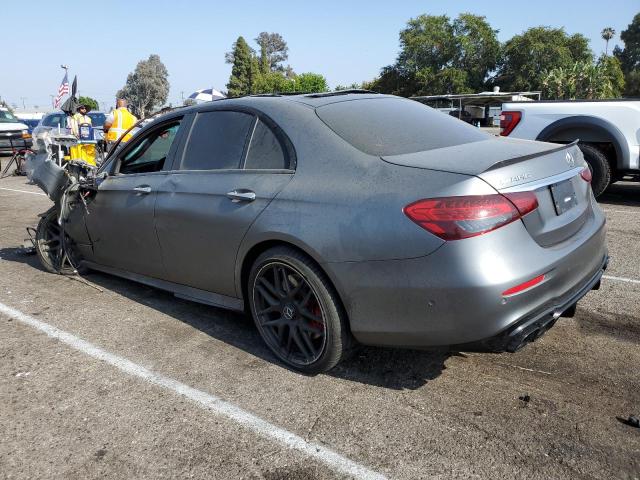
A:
<point x="297" y="311"/>
<point x="49" y="246"/>
<point x="600" y="168"/>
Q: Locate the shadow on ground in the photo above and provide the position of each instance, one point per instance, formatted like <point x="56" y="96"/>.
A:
<point x="621" y="194"/>
<point x="395" y="369"/>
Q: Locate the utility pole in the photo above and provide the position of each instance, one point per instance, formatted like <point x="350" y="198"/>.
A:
<point x="182" y="95"/>
<point x="23" y="99"/>
<point x="52" y="97"/>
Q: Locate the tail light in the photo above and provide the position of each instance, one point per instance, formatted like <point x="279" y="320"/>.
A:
<point x="586" y="174"/>
<point x="508" y="121"/>
<point x="455" y="218"/>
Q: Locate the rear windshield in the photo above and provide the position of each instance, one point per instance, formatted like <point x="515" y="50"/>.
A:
<point x="394" y="126"/>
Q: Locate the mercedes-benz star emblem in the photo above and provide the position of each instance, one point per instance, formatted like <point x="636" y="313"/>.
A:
<point x="570" y="160"/>
<point x="288" y="312"/>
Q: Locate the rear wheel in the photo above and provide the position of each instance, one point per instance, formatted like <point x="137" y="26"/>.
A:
<point x="600" y="168"/>
<point x="296" y="311"/>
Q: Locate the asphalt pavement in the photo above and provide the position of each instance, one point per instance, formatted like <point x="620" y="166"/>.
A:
<point x="104" y="378"/>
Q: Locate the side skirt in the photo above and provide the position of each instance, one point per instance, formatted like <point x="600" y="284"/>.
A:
<point x="180" y="291"/>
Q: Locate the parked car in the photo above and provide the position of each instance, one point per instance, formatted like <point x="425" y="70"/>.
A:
<point x="57" y="119"/>
<point x="340" y="216"/>
<point x="31" y="123"/>
<point x="14" y="134"/>
<point x="607" y="132"/>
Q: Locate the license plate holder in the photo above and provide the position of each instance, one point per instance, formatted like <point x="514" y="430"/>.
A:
<point x="564" y="196"/>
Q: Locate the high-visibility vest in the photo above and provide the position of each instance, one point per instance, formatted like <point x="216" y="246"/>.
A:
<point x="123" y="120"/>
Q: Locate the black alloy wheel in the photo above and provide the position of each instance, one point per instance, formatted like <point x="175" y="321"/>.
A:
<point x="296" y="311"/>
<point x="50" y="248"/>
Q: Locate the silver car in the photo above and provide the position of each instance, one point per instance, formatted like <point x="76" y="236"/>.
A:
<point x="341" y="218"/>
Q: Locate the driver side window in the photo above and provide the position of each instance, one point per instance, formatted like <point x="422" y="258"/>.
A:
<point x="150" y="152"/>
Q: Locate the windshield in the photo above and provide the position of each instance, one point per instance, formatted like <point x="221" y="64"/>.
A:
<point x="393" y="126"/>
<point x="6" y="117"/>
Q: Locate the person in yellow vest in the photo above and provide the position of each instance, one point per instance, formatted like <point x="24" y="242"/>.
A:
<point x="118" y="122"/>
<point x="78" y="119"/>
<point x="82" y="151"/>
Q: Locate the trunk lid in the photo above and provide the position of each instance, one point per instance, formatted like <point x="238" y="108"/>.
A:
<point x="549" y="170"/>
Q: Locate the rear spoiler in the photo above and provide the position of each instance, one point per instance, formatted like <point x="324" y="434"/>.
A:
<point x="509" y="161"/>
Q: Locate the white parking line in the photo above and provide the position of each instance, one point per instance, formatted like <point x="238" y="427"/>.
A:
<point x="22" y="191"/>
<point x="621" y="279"/>
<point x="214" y="404"/>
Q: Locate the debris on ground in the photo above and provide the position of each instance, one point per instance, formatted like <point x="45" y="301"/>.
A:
<point x="632" y="421"/>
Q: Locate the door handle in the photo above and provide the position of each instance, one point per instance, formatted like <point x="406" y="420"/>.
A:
<point x="241" y="196"/>
<point x="142" y="189"/>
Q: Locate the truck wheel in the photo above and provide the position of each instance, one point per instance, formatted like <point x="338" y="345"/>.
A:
<point x="600" y="168"/>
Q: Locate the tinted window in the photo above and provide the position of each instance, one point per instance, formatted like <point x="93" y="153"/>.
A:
<point x="265" y="151"/>
<point x="217" y="141"/>
<point x="150" y="152"/>
<point x="393" y="126"/>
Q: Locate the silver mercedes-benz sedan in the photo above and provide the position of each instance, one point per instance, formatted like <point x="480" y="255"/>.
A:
<point x="340" y="218"/>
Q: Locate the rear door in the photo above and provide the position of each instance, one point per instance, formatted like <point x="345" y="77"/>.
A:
<point x="120" y="221"/>
<point x="232" y="165"/>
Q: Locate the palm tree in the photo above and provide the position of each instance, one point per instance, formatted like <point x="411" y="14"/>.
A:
<point x="607" y="34"/>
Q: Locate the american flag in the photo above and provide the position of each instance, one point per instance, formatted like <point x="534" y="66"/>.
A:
<point x="62" y="91"/>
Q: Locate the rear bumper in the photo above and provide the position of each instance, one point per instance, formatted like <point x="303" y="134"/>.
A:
<point x="532" y="326"/>
<point x="454" y="295"/>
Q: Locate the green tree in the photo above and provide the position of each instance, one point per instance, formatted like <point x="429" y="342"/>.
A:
<point x="607" y="34"/>
<point x="353" y="86"/>
<point x="89" y="102"/>
<point x="528" y="56"/>
<point x="629" y="56"/>
<point x="147" y="87"/>
<point x="478" y="49"/>
<point x="273" y="50"/>
<point x="632" y="83"/>
<point x="440" y="56"/>
<point x="585" y="80"/>
<point x="311" y="83"/>
<point x="244" y="69"/>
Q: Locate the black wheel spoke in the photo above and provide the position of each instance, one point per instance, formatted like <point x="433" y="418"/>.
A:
<point x="278" y="322"/>
<point x="308" y="342"/>
<point x="269" y="309"/>
<point x="271" y="300"/>
<point x="302" y="346"/>
<point x="269" y="286"/>
<point x="310" y="316"/>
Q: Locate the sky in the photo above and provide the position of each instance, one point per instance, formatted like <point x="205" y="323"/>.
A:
<point x="346" y="41"/>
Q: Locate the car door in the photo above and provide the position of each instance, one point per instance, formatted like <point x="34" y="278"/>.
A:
<point x="233" y="164"/>
<point x="120" y="220"/>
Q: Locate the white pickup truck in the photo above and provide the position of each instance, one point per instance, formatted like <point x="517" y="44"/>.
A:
<point x="608" y="132"/>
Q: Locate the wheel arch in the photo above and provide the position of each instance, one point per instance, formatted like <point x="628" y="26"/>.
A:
<point x="589" y="130"/>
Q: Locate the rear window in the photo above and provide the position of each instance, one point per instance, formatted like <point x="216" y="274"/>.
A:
<point x="394" y="126"/>
<point x="265" y="151"/>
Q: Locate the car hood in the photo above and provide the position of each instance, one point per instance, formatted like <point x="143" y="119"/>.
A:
<point x="11" y="127"/>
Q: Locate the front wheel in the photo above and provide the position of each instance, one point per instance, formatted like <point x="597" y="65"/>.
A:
<point x="297" y="311"/>
<point x="54" y="254"/>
